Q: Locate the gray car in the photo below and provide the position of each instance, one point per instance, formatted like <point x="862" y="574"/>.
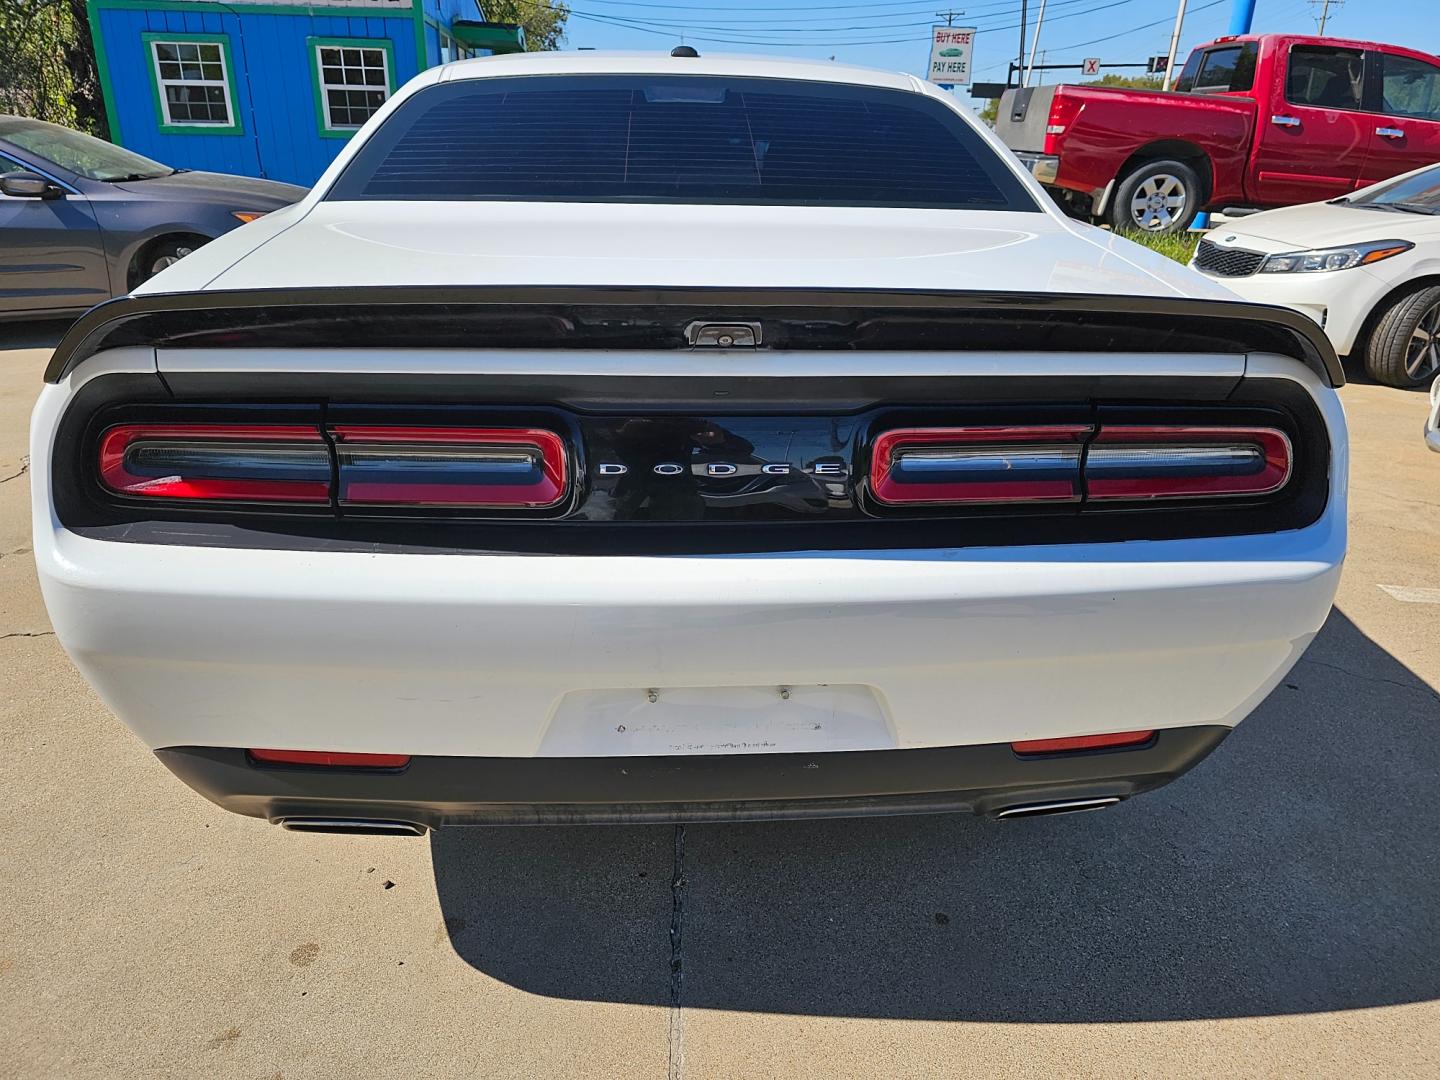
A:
<point x="82" y="220"/>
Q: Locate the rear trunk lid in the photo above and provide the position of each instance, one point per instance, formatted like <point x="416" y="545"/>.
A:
<point x="455" y="244"/>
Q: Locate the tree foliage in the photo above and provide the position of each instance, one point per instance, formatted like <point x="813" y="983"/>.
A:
<point x="1129" y="82"/>
<point x="543" y="20"/>
<point x="47" y="63"/>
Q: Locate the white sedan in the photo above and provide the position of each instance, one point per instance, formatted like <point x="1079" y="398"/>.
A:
<point x="1366" y="267"/>
<point x="605" y="439"/>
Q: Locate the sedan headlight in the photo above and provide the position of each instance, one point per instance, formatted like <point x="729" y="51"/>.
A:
<point x="1323" y="260"/>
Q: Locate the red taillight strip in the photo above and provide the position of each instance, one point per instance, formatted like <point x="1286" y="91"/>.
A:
<point x="1050" y="453"/>
<point x="1166" y="473"/>
<point x="217" y="441"/>
<point x="423" y="480"/>
<point x="330" y="759"/>
<point x="1112" y="741"/>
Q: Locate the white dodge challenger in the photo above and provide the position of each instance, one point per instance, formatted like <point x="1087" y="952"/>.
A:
<point x="650" y="438"/>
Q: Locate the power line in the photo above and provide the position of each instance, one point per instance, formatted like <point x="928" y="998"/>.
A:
<point x="1010" y="5"/>
<point x="753" y="35"/>
<point x="750" y="26"/>
<point x="1134" y="29"/>
<point x="702" y="15"/>
<point x="736" y="41"/>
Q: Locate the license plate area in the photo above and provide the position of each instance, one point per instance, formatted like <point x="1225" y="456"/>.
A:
<point x="667" y="721"/>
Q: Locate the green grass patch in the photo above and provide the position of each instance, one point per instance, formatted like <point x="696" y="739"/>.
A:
<point x="1177" y="246"/>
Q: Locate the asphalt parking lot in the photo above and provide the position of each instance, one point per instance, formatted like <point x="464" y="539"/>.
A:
<point x="1276" y="912"/>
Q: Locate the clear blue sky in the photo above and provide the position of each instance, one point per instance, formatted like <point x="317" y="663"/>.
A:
<point x="895" y="33"/>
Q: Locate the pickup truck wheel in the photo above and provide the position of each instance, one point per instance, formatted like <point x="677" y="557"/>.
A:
<point x="1404" y="347"/>
<point x="1158" y="197"/>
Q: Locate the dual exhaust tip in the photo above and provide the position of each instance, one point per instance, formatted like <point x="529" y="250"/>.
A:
<point x="353" y="826"/>
<point x="1050" y="809"/>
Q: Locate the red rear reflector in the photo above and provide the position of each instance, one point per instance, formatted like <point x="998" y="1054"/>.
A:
<point x="503" y="468"/>
<point x="950" y="466"/>
<point x="1186" y="462"/>
<point x="331" y="758"/>
<point x="1082" y="742"/>
<point x="244" y="462"/>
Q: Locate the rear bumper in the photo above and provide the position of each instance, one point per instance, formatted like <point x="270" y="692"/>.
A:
<point x="533" y="657"/>
<point x="1044" y="167"/>
<point x="436" y="791"/>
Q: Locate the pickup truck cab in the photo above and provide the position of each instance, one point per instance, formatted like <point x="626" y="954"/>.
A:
<point x="1254" y="121"/>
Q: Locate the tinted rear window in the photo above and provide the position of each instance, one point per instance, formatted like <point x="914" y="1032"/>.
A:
<point x="1219" y="71"/>
<point x="695" y="139"/>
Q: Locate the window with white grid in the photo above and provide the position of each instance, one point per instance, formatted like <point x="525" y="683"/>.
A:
<point x="193" y="84"/>
<point x="354" y="83"/>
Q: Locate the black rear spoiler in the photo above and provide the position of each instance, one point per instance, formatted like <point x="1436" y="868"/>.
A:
<point x="643" y="317"/>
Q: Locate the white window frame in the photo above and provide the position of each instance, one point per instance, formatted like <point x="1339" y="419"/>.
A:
<point x="223" y="82"/>
<point x="326" y="87"/>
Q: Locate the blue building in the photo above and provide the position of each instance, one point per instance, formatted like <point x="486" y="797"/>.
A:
<point x="269" y="89"/>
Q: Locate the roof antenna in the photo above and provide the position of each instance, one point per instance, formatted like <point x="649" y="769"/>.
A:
<point x="684" y="50"/>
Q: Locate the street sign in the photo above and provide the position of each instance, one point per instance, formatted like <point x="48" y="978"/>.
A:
<point x="1158" y="65"/>
<point x="1090" y="66"/>
<point x="950" y="48"/>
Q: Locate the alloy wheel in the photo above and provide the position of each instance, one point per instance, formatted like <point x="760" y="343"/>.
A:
<point x="170" y="258"/>
<point x="1158" y="202"/>
<point x="1422" y="355"/>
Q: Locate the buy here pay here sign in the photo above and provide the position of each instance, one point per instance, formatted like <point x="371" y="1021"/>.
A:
<point x="950" y="54"/>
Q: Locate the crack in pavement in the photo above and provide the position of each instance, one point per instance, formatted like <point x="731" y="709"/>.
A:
<point x="675" y="1034"/>
<point x="28" y="633"/>
<point x="24" y="468"/>
<point x="1422" y="688"/>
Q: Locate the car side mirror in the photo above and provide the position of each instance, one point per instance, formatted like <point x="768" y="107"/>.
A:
<point x="1432" y="424"/>
<point x="28" y="185"/>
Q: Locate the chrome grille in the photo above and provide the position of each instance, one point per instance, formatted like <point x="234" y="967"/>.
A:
<point x="1227" y="262"/>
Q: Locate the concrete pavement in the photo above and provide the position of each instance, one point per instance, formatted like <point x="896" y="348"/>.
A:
<point x="1274" y="913"/>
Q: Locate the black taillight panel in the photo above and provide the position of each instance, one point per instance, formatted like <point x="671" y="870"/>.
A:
<point x="554" y="480"/>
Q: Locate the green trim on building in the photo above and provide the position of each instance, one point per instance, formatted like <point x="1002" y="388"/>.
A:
<point x="236" y="127"/>
<point x="313" y="46"/>
<point x="497" y="37"/>
<point x="102" y="70"/>
<point x="422" y="54"/>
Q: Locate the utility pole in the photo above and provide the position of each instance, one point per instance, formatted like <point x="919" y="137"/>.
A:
<point x="948" y="16"/>
<point x="1325" y="11"/>
<point x="1020" y="56"/>
<point x="1034" y="44"/>
<point x="1241" y="16"/>
<point x="1174" y="46"/>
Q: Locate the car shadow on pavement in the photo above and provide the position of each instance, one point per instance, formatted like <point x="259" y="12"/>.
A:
<point x="1297" y="870"/>
<point x="37" y="334"/>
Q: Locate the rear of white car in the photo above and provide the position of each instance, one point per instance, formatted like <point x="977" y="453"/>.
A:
<point x="692" y="506"/>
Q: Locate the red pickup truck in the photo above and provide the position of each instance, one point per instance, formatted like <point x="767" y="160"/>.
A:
<point x="1254" y="121"/>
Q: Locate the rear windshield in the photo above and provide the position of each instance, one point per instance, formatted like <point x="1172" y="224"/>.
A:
<point x="1219" y="71"/>
<point x="690" y="139"/>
